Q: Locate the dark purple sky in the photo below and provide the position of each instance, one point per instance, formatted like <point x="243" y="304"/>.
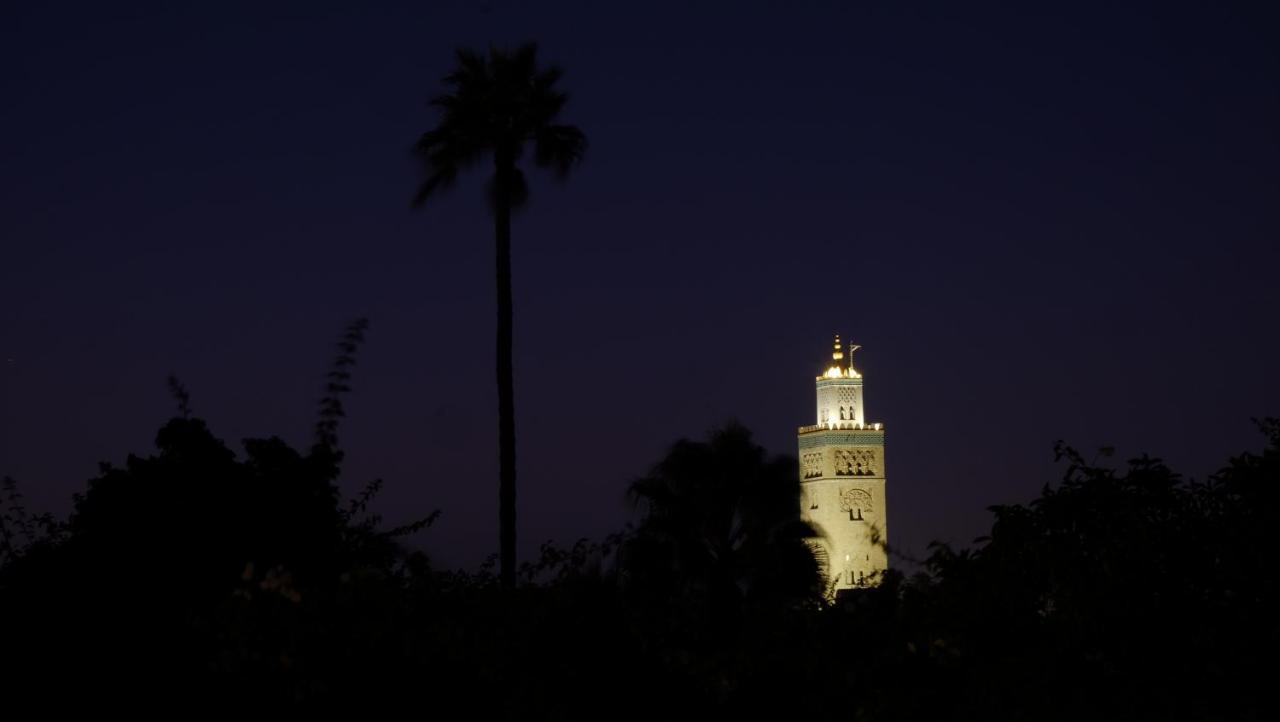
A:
<point x="1059" y="224"/>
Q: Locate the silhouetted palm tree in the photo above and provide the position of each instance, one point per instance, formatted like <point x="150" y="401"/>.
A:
<point x="496" y="105"/>
<point x="722" y="528"/>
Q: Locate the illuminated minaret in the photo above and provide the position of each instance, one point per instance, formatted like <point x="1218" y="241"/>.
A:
<point x="842" y="479"/>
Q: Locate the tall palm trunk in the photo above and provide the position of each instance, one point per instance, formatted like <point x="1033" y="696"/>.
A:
<point x="503" y="179"/>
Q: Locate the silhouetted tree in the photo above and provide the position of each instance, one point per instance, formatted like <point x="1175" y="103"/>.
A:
<point x="721" y="532"/>
<point x="196" y="569"/>
<point x="1132" y="594"/>
<point x="496" y="106"/>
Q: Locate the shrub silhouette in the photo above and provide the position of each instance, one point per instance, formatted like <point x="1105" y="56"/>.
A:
<point x="1138" y="588"/>
<point x="191" y="567"/>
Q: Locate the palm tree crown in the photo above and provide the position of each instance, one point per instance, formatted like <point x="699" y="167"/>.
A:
<point x="722" y="524"/>
<point x="496" y="106"/>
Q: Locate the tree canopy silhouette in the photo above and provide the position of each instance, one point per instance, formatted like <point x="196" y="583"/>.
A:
<point x="195" y="571"/>
<point x="1136" y="587"/>
<point x="721" y="531"/>
<point x="498" y="105"/>
<point x="193" y="566"/>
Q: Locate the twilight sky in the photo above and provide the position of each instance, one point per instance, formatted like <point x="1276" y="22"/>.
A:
<point x="1059" y="223"/>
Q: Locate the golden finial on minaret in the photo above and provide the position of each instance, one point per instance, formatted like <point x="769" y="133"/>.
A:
<point x="837" y="355"/>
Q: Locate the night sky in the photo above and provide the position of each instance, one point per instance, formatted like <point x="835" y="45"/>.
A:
<point x="1045" y="224"/>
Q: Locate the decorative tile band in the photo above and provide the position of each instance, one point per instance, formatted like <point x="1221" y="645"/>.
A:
<point x="824" y="383"/>
<point x="815" y="439"/>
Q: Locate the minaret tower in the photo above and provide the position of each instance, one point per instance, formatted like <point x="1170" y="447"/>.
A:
<point x="842" y="479"/>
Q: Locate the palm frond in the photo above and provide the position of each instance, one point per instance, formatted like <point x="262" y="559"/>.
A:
<point x="559" y="148"/>
<point x="436" y="182"/>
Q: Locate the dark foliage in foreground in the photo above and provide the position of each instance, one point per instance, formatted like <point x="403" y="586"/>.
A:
<point x="199" y="575"/>
<point x="1137" y="595"/>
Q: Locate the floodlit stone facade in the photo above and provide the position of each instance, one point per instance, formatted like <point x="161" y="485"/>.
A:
<point x="842" y="480"/>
